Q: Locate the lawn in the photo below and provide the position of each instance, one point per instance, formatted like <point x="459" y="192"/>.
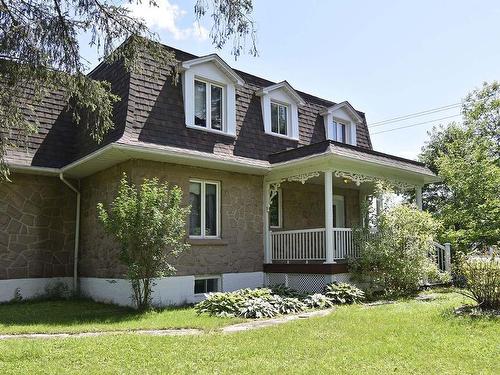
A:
<point x="408" y="337"/>
<point x="88" y="316"/>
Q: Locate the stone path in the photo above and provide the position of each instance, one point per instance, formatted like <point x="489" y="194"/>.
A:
<point x="253" y="324"/>
<point x="256" y="324"/>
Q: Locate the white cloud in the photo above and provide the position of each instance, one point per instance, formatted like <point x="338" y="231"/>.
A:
<point x="165" y="17"/>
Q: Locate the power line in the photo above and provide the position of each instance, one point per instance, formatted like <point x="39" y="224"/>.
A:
<point x="413" y="115"/>
<point x="419" y="123"/>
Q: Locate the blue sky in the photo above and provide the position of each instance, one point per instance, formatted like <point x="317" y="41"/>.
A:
<point x="388" y="58"/>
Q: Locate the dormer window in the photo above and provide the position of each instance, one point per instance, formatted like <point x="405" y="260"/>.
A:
<point x="340" y="131"/>
<point x="208" y="105"/>
<point x="279" y="118"/>
<point x="341" y="122"/>
<point x="280" y="104"/>
<point x="209" y="90"/>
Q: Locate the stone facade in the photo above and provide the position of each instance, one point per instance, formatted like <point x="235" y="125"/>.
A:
<point x="37" y="223"/>
<point x="304" y="205"/>
<point x="239" y="250"/>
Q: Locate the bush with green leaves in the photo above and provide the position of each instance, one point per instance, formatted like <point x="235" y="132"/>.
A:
<point x="221" y="304"/>
<point x="285" y="291"/>
<point x="288" y="305"/>
<point x="343" y="293"/>
<point x="396" y="260"/>
<point x="481" y="274"/>
<point x="257" y="308"/>
<point x="318" y="301"/>
<point x="249" y="303"/>
<point x="149" y="222"/>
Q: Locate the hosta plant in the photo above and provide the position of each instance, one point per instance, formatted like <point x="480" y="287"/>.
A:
<point x="258" y="308"/>
<point x="286" y="291"/>
<point x="318" y="301"/>
<point x="288" y="305"/>
<point x="343" y="293"/>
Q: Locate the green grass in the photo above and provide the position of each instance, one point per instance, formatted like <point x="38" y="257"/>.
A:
<point x="88" y="316"/>
<point x="408" y="337"/>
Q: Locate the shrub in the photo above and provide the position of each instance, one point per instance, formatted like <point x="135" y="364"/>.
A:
<point x="396" y="259"/>
<point x="343" y="293"/>
<point x="482" y="280"/>
<point x="318" y="301"/>
<point x="149" y="223"/>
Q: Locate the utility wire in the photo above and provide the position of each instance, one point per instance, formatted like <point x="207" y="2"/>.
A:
<point x="413" y="115"/>
<point x="412" y="125"/>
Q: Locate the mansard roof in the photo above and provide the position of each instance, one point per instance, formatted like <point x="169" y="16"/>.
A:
<point x="151" y="112"/>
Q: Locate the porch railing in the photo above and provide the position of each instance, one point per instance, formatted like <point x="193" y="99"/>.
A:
<point x="442" y="256"/>
<point x="306" y="245"/>
<point x="309" y="245"/>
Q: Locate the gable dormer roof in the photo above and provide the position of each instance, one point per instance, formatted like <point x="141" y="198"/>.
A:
<point x="345" y="105"/>
<point x="284" y="85"/>
<point x="219" y="63"/>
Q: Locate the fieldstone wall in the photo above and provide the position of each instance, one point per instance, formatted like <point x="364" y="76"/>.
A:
<point x="239" y="250"/>
<point x="304" y="205"/>
<point x="37" y="222"/>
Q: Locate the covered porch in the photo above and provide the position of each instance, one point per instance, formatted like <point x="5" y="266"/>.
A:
<point x="313" y="204"/>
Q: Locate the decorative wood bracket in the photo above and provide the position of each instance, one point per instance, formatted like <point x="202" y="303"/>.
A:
<point x="359" y="179"/>
<point x="303" y="177"/>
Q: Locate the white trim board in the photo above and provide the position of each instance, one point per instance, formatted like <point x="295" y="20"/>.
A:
<point x="174" y="290"/>
<point x="30" y="288"/>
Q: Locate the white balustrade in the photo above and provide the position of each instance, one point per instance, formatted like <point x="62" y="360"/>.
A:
<point x="306" y="245"/>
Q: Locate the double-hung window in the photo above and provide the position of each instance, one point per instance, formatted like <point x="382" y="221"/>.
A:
<point x="279" y="118"/>
<point x="340" y="131"/>
<point x="275" y="215"/>
<point x="204" y="198"/>
<point x="208" y="105"/>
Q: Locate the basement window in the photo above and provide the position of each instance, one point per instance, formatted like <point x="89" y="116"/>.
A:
<point x="206" y="285"/>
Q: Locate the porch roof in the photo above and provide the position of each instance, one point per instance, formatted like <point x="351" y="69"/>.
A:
<point x="327" y="150"/>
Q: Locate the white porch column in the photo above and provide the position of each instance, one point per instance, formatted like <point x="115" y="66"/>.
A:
<point x="267" y="242"/>
<point x="418" y="197"/>
<point x="329" y="216"/>
<point x="379" y="204"/>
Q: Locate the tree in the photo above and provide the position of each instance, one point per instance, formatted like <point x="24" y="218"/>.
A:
<point x="149" y="222"/>
<point x="467" y="157"/>
<point x="40" y="51"/>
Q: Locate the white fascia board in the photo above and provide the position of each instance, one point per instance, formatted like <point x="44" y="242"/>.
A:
<point x="30" y="169"/>
<point x="282" y="85"/>
<point x="115" y="153"/>
<point x="344" y="105"/>
<point x="220" y="63"/>
<point x="329" y="160"/>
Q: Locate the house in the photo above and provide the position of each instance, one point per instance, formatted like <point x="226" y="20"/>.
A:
<point x="275" y="178"/>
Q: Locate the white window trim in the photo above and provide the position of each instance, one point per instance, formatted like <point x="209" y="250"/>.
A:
<point x="203" y="207"/>
<point x="206" y="277"/>
<point x="288" y="118"/>
<point x="208" y="104"/>
<point x="293" y="117"/>
<point x="280" y="211"/>
<point x="209" y="71"/>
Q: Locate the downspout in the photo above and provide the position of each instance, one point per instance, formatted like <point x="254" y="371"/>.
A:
<point x="77" y="232"/>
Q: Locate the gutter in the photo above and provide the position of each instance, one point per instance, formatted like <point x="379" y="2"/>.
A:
<point x="77" y="232"/>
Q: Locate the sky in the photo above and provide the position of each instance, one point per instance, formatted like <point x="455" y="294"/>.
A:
<point x="387" y="58"/>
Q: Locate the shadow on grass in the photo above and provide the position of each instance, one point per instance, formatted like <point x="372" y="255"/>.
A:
<point x="74" y="311"/>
